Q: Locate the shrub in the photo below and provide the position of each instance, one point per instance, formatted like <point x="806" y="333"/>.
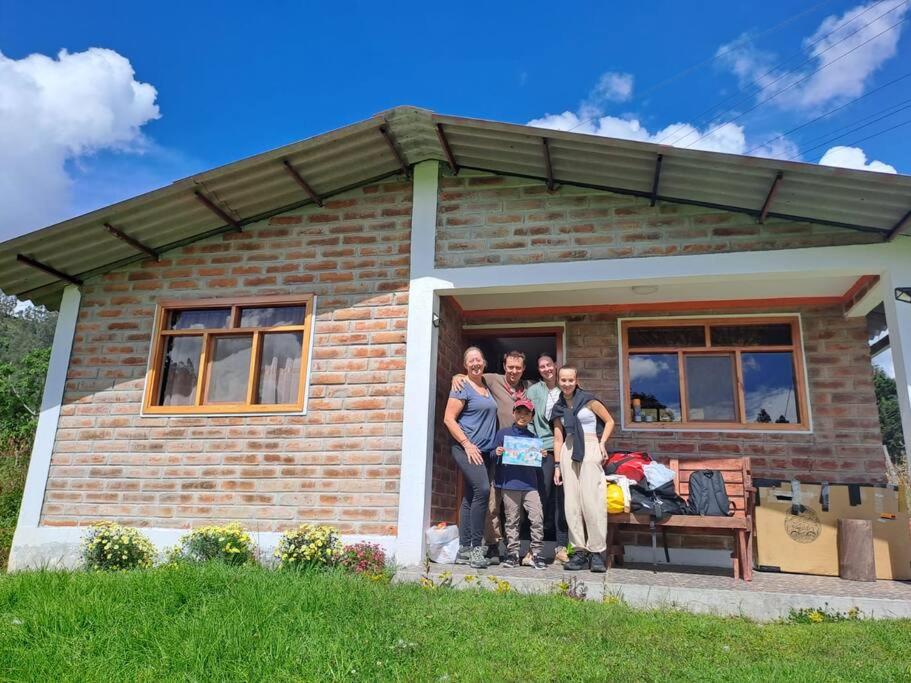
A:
<point x="229" y="544"/>
<point x="308" y="547"/>
<point x="107" y="546"/>
<point x="364" y="558"/>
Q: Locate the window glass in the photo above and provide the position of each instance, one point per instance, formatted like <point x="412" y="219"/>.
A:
<point x="751" y="335"/>
<point x="272" y="317"/>
<point x="230" y="370"/>
<point x="201" y="318"/>
<point x="180" y="371"/>
<point x="280" y="368"/>
<point x="654" y="382"/>
<point x="710" y="388"/>
<point x="770" y="388"/>
<point x="671" y="337"/>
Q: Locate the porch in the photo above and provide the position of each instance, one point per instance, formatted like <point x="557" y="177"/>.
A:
<point x="769" y="597"/>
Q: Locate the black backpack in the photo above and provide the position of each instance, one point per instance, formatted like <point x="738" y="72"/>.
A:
<point x="659" y="503"/>
<point x="707" y="494"/>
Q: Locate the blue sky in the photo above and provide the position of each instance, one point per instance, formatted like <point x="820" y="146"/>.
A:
<point x="223" y="81"/>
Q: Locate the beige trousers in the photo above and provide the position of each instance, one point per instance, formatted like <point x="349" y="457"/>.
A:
<point x="583" y="490"/>
<point x="513" y="502"/>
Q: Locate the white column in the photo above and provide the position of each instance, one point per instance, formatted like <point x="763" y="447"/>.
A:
<point x="420" y="370"/>
<point x="898" y="320"/>
<point x="40" y="463"/>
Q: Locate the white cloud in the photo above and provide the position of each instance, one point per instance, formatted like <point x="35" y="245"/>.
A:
<point x="851" y="43"/>
<point x="613" y="86"/>
<point x="853" y="157"/>
<point x="642" y="367"/>
<point x="729" y="137"/>
<point x="54" y="111"/>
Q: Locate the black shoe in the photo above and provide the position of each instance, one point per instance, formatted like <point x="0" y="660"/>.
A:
<point x="493" y="554"/>
<point x="597" y="564"/>
<point x="511" y="562"/>
<point x="538" y="562"/>
<point x="577" y="562"/>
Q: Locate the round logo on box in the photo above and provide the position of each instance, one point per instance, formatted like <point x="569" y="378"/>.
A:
<point x="804" y="526"/>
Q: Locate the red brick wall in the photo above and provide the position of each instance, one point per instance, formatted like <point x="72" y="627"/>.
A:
<point x="845" y="445"/>
<point x="486" y="219"/>
<point x="445" y="477"/>
<point x="338" y="464"/>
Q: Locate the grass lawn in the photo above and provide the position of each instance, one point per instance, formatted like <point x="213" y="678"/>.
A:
<point x="218" y="623"/>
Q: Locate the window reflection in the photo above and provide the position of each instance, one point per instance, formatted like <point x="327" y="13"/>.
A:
<point x="180" y="371"/>
<point x="230" y="369"/>
<point x="710" y="389"/>
<point x="769" y="388"/>
<point x="654" y="387"/>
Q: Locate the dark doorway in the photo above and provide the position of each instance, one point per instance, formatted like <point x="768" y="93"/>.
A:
<point x="532" y="341"/>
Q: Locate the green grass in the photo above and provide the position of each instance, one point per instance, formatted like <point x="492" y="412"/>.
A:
<point x="219" y="623"/>
<point x="13" y="467"/>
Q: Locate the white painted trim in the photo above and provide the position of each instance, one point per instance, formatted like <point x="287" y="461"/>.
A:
<point x="855" y="260"/>
<point x="420" y="370"/>
<point x="145" y="382"/>
<point x="867" y="302"/>
<point x="898" y="322"/>
<point x="693" y="557"/>
<point x="48" y="419"/>
<point x="697" y="428"/>
<point x="51" y="547"/>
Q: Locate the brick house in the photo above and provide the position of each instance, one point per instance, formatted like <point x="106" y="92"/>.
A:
<point x="271" y="341"/>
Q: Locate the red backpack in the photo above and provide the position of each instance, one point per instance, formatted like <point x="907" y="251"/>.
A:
<point x="627" y="463"/>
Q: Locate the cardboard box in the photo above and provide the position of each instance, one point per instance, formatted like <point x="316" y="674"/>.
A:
<point x="806" y="542"/>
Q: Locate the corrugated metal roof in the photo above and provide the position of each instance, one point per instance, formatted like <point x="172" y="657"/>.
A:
<point x="253" y="188"/>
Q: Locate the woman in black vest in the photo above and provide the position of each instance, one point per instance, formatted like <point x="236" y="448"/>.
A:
<point x="582" y="426"/>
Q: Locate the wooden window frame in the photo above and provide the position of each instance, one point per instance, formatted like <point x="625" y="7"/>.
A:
<point x="248" y="407"/>
<point x="795" y="348"/>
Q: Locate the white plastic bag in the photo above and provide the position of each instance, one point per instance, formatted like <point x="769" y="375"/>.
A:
<point x="657" y="474"/>
<point x="443" y="543"/>
<point x="624" y="484"/>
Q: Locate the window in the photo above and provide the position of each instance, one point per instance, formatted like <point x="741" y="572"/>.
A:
<point x="744" y="373"/>
<point x="229" y="356"/>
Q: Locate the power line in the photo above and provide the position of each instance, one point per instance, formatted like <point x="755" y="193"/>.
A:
<point x="826" y="114"/>
<point x="853" y="130"/>
<point x="717" y="55"/>
<point x="795" y="83"/>
<point x="876" y="135"/>
<point x="760" y="88"/>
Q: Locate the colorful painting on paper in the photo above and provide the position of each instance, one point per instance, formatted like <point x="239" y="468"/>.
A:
<point x="520" y="450"/>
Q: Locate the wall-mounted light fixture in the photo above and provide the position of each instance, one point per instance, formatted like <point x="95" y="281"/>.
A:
<point x="435" y="320"/>
<point x="903" y="294"/>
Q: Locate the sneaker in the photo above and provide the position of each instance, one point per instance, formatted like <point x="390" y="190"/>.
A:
<point x="538" y="562"/>
<point x="464" y="555"/>
<point x="597" y="563"/>
<point x="528" y="560"/>
<point x="511" y="562"/>
<point x="477" y="559"/>
<point x="577" y="562"/>
<point x="493" y="554"/>
<point x="560" y="555"/>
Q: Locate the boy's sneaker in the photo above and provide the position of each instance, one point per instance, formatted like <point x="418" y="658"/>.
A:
<point x="511" y="562"/>
<point x="577" y="562"/>
<point x="464" y="555"/>
<point x="493" y="554"/>
<point x="477" y="559"/>
<point x="538" y="562"/>
<point x="597" y="565"/>
<point x="560" y="555"/>
<point x="528" y="560"/>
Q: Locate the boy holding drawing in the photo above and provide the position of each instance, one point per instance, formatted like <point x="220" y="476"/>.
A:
<point x="519" y="455"/>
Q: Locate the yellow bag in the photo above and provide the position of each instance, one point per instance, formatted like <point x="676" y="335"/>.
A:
<point x="614" y="496"/>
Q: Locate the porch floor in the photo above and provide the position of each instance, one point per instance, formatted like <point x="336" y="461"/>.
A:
<point x="768" y="597"/>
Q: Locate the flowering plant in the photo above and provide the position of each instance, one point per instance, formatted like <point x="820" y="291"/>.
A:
<point x="364" y="558"/>
<point x="229" y="543"/>
<point x="309" y="546"/>
<point x="107" y="546"/>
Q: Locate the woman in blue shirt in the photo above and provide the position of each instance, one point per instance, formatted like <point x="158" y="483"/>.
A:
<point x="471" y="418"/>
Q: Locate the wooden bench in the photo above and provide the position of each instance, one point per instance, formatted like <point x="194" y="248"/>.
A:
<point x="739" y="486"/>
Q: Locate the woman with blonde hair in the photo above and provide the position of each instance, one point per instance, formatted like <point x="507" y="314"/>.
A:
<point x="582" y="426"/>
<point x="471" y="418"/>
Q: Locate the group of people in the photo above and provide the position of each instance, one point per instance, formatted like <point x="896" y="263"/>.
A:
<point x="573" y="427"/>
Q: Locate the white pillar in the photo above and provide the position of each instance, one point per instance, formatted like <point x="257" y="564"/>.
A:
<point x="898" y="321"/>
<point x="46" y="432"/>
<point x="420" y="371"/>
